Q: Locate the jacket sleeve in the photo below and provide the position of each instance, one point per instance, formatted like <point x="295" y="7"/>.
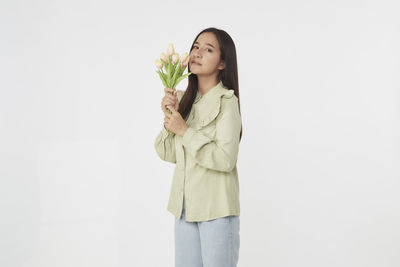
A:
<point x="165" y="142"/>
<point x="165" y="146"/>
<point x="220" y="153"/>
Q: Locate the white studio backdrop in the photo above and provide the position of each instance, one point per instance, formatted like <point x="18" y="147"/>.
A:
<point x="81" y="183"/>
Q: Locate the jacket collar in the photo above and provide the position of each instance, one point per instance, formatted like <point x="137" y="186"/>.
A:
<point x="210" y="103"/>
<point x="216" y="92"/>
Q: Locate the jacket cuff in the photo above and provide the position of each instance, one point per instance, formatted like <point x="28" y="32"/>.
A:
<point x="188" y="136"/>
<point x="165" y="133"/>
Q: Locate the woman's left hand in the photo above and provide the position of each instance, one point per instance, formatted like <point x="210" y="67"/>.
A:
<point x="174" y="122"/>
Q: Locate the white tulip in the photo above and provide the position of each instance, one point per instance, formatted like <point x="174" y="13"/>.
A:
<point x="175" y="58"/>
<point x="159" y="64"/>
<point x="164" y="57"/>
<point x="170" y="50"/>
<point x="184" y="63"/>
<point x="183" y="57"/>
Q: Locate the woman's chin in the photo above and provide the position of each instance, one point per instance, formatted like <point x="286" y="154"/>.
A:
<point x="195" y="66"/>
<point x="193" y="71"/>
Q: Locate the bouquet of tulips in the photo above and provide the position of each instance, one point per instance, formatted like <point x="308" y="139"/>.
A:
<point x="174" y="66"/>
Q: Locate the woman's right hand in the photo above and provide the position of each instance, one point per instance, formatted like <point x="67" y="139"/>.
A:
<point x="170" y="98"/>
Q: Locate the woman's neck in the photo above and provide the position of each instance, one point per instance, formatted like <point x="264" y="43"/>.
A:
<point x="206" y="83"/>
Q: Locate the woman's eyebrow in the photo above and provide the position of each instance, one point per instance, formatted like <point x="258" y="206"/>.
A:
<point x="206" y="44"/>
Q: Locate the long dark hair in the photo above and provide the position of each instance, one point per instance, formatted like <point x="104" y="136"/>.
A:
<point x="228" y="76"/>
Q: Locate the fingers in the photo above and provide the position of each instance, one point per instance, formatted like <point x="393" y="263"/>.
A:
<point x="166" y="103"/>
<point x="173" y="97"/>
<point x="172" y="108"/>
<point x="167" y="109"/>
<point x="163" y="106"/>
<point x="167" y="112"/>
<point x="169" y="99"/>
<point x="168" y="90"/>
<point x="167" y="119"/>
<point x="171" y="93"/>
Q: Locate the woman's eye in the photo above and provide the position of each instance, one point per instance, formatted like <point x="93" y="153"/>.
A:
<point x="198" y="47"/>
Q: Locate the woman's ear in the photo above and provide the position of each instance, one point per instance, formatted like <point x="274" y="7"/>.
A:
<point x="222" y="65"/>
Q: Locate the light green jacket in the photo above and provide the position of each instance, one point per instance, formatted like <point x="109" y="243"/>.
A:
<point x="205" y="174"/>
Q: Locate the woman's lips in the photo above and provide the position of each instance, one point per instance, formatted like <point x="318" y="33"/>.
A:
<point x="196" y="63"/>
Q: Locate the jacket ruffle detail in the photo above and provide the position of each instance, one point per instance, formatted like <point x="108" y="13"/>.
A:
<point x="213" y="110"/>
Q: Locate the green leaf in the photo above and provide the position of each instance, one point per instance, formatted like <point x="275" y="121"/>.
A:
<point x="169" y="65"/>
<point x="182" y="70"/>
<point x="162" y="77"/>
<point x="168" y="80"/>
<point x="164" y="63"/>
<point x="176" y="74"/>
<point x="182" y="77"/>
<point x="169" y="74"/>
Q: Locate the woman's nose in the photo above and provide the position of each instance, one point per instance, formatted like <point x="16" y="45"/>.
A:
<point x="197" y="53"/>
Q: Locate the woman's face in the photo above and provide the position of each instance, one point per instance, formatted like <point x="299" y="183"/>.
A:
<point x="205" y="55"/>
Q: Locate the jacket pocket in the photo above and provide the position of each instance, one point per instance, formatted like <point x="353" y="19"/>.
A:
<point x="206" y="124"/>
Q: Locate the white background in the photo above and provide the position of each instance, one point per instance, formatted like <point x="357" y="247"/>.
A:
<point x="81" y="183"/>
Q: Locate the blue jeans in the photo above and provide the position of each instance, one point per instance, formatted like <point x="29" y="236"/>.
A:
<point x="213" y="243"/>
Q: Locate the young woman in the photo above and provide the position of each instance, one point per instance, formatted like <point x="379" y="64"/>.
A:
<point x="204" y="145"/>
